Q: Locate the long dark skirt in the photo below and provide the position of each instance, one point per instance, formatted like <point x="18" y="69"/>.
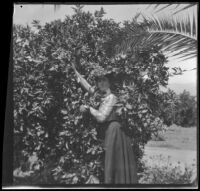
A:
<point x="120" y="164"/>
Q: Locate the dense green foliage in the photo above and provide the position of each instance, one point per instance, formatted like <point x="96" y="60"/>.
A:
<point x="47" y="96"/>
<point x="186" y="112"/>
<point x="179" y="109"/>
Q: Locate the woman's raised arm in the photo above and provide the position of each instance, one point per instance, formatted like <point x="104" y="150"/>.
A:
<point x="83" y="82"/>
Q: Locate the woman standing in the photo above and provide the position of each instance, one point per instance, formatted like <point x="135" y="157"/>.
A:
<point x="120" y="163"/>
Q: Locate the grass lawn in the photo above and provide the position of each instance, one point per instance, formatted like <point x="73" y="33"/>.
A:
<point x="177" y="138"/>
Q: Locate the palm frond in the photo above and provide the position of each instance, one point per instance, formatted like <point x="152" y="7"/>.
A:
<point x="149" y="6"/>
<point x="163" y="7"/>
<point x="177" y="6"/>
<point x="186" y="7"/>
<point x="174" y="34"/>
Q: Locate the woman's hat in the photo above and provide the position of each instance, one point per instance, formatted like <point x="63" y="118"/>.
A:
<point x="110" y="76"/>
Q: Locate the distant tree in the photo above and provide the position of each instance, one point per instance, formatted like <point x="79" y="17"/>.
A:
<point x="186" y="113"/>
<point x="179" y="109"/>
<point x="168" y="107"/>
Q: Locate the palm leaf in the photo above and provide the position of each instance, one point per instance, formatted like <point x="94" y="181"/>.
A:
<point x="177" y="6"/>
<point x="165" y="7"/>
<point x="149" y="6"/>
<point x="185" y="58"/>
<point x="186" y="7"/>
<point x="174" y="34"/>
<point x="156" y="6"/>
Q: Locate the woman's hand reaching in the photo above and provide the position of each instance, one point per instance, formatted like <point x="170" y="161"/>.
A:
<point x="76" y="72"/>
<point x="74" y="67"/>
<point x="82" y="81"/>
<point x="144" y="75"/>
<point x="84" y="108"/>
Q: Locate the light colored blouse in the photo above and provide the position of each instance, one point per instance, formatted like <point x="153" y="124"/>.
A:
<point x="105" y="108"/>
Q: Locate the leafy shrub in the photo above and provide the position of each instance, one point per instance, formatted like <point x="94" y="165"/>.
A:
<point x="47" y="97"/>
<point x="186" y="112"/>
<point x="166" y="173"/>
<point x="169" y="106"/>
<point x="178" y="109"/>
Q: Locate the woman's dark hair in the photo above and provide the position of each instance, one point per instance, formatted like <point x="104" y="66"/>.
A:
<point x="110" y="78"/>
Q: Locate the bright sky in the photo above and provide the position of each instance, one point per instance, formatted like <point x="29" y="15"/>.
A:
<point x="26" y="13"/>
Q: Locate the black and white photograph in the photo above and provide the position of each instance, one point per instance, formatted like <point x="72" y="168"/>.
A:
<point x="105" y="95"/>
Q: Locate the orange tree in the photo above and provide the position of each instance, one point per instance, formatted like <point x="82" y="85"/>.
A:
<point x="47" y="96"/>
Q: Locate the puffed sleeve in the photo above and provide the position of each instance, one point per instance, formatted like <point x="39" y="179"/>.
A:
<point x="105" y="108"/>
